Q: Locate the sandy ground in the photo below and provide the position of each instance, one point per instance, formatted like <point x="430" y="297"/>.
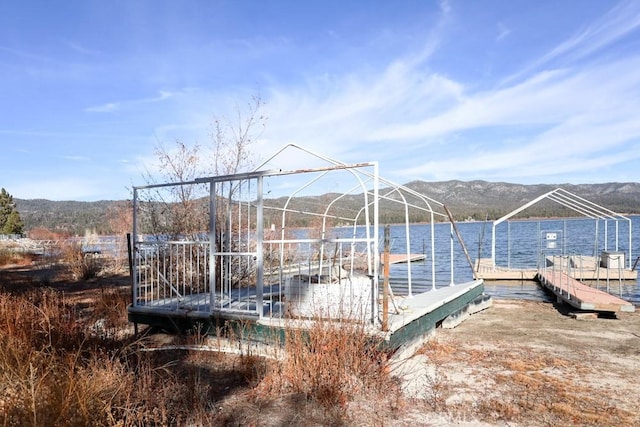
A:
<point x="528" y="363"/>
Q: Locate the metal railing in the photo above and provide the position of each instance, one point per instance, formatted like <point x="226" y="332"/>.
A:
<point x="172" y="275"/>
<point x="562" y="273"/>
<point x="298" y="253"/>
<point x="619" y="263"/>
<point x="585" y="269"/>
<point x="299" y="279"/>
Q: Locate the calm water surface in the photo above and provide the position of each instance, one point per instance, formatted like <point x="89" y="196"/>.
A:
<point x="518" y="245"/>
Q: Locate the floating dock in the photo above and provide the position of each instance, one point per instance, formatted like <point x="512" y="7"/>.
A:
<point x="487" y="271"/>
<point x="409" y="318"/>
<point x="244" y="260"/>
<point x="422" y="313"/>
<point x="405" y="258"/>
<point x="580" y="296"/>
<point x="584" y="268"/>
<point x="589" y="268"/>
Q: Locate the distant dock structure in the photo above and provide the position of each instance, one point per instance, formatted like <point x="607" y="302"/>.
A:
<point x="596" y="254"/>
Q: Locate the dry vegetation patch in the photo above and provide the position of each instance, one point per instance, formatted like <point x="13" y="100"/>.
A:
<point x="69" y="357"/>
<point x="502" y="373"/>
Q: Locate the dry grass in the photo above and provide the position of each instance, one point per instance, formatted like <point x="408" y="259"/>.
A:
<point x="56" y="370"/>
<point x="331" y="373"/>
<point x="329" y="363"/>
<point x="9" y="256"/>
<point x="81" y="265"/>
<point x="523" y="387"/>
<point x="68" y="357"/>
<point x="42" y="347"/>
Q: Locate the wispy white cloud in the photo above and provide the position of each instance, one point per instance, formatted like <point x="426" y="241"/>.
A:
<point x="24" y="54"/>
<point x="571" y="118"/>
<point x="503" y="31"/>
<point x="401" y="109"/>
<point x="620" y="21"/>
<point x="104" y="108"/>
<point x="336" y="114"/>
<point x="83" y="50"/>
<point x="119" y="105"/>
<point x="58" y="134"/>
<point x="76" y="158"/>
<point x="564" y="120"/>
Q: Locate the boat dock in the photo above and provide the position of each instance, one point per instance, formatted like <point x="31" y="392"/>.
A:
<point x="580" y="296"/>
<point x="487" y="271"/>
<point x="580" y="267"/>
<point x="264" y="275"/>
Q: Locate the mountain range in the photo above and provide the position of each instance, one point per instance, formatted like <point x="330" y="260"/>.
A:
<point x="466" y="199"/>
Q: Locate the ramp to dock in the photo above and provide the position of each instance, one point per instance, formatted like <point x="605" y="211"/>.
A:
<point x="581" y="296"/>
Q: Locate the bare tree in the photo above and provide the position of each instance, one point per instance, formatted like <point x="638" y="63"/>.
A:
<point x="120" y="222"/>
<point x="182" y="164"/>
<point x="182" y="211"/>
<point x="227" y="152"/>
<point x="231" y="140"/>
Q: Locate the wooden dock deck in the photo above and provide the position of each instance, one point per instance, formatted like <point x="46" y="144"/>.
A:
<point x="583" y="268"/>
<point x="487" y="271"/>
<point x="580" y="296"/>
<point x="405" y="258"/>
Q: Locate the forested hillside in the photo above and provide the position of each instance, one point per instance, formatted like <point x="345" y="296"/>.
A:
<point x="479" y="199"/>
<point x="65" y="216"/>
<point x="474" y="199"/>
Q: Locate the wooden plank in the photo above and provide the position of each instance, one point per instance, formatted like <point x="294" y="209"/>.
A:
<point x="401" y="258"/>
<point x="487" y="271"/>
<point x="582" y="268"/>
<point x="581" y="296"/>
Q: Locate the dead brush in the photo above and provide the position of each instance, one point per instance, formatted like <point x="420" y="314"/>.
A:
<point x="41" y="360"/>
<point x="434" y="381"/>
<point x="10" y="256"/>
<point x="39" y="319"/>
<point x="331" y="363"/>
<point x="110" y="308"/>
<point x="53" y="372"/>
<point x="438" y="350"/>
<point x="81" y="266"/>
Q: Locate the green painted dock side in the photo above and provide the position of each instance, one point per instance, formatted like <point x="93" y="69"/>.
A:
<point x="421" y="313"/>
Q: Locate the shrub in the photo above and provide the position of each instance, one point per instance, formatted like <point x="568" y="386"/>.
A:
<point x="333" y="364"/>
<point x="82" y="266"/>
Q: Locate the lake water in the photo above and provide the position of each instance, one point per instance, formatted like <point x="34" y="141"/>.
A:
<point x="518" y="245"/>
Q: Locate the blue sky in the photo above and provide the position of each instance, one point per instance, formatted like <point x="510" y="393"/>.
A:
<point x="517" y="90"/>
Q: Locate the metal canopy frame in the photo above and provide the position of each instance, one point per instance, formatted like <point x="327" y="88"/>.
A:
<point x="577" y="204"/>
<point x="204" y="264"/>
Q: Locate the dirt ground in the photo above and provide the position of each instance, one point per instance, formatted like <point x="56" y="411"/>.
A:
<point x="530" y="363"/>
